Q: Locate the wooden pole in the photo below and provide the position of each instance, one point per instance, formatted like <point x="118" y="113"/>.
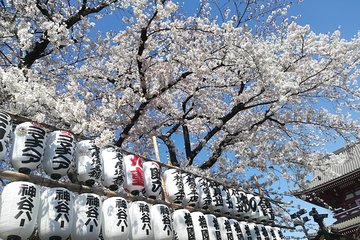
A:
<point x="156" y="149"/>
<point x="157" y="156"/>
<point x="258" y="187"/>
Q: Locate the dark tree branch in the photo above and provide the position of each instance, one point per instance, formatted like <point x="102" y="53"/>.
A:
<point x="216" y="153"/>
<point x="262" y="121"/>
<point x="36" y="53"/>
<point x="243" y="13"/>
<point x="5" y="58"/>
<point x="185" y="129"/>
<point x="172" y="150"/>
<point x="40" y="46"/>
<point x="173" y="130"/>
<point x="139" y="111"/>
<point x="186" y="136"/>
<point x="235" y="110"/>
<point x="143" y="39"/>
<point x="43" y="10"/>
<point x="228" y="140"/>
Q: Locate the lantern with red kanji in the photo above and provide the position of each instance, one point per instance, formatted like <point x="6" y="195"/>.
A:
<point x="134" y="174"/>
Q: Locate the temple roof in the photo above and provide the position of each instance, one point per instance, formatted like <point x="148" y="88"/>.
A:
<point x="350" y="164"/>
<point x="336" y="174"/>
<point x="346" y="225"/>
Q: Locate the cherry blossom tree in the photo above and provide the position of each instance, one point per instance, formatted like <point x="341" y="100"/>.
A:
<point x="229" y="87"/>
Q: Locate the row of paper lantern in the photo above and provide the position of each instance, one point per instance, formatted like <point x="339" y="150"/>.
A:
<point x="185" y="189"/>
<point x="58" y="213"/>
<point x="56" y="150"/>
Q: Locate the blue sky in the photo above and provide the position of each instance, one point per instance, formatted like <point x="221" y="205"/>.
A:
<point x="329" y="15"/>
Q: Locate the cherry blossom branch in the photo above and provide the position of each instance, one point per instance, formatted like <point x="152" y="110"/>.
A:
<point x="140" y="110"/>
<point x="41" y="45"/>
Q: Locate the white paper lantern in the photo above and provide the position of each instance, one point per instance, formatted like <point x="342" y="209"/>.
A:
<point x="258" y="214"/>
<point x="268" y="212"/>
<point x="264" y="232"/>
<point x="5" y="129"/>
<point x="247" y="205"/>
<point x="203" y="190"/>
<point x="213" y="227"/>
<point x="191" y="195"/>
<point x="254" y="230"/>
<point x="271" y="232"/>
<point x="56" y="214"/>
<point x="174" y="186"/>
<point x="255" y="211"/>
<point x="134" y="174"/>
<point x="115" y="219"/>
<point x="59" y="153"/>
<point x="152" y="180"/>
<point x="88" y="217"/>
<point x="278" y="233"/>
<point x="140" y="221"/>
<point x="236" y="203"/>
<point x="161" y="222"/>
<point x="217" y="201"/>
<point x="225" y="228"/>
<point x="28" y="146"/>
<point x="228" y="205"/>
<point x="236" y="229"/>
<point x="19" y="210"/>
<point x="200" y="226"/>
<point x="183" y="225"/>
<point x="243" y="206"/>
<point x="113" y="169"/>
<point x="88" y="163"/>
<point x="245" y="230"/>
